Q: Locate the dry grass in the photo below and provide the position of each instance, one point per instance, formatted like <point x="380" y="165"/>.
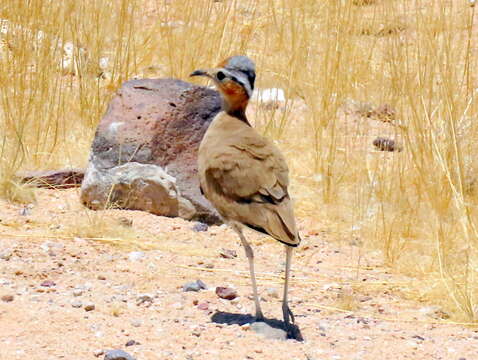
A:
<point x="60" y="62"/>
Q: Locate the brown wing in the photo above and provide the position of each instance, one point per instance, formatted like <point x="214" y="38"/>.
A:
<point x="247" y="182"/>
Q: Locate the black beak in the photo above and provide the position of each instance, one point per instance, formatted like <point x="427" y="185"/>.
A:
<point x="199" y="73"/>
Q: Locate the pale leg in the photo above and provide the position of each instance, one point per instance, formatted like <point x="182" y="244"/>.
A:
<point x="250" y="257"/>
<point x="285" y="307"/>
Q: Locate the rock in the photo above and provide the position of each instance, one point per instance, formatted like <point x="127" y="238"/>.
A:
<point x="146" y="299"/>
<point x="136" y="323"/>
<point x="203" y="306"/>
<point x="132" y="342"/>
<point x="62" y="178"/>
<point x="272" y="292"/>
<point x="191" y="286"/>
<point x="7" y="298"/>
<point x="76" y="304"/>
<point x="48" y="283"/>
<point x="135" y="186"/>
<point x="98" y="353"/>
<point x="156" y="123"/>
<point x="199" y="226"/>
<point x="228" y="254"/>
<point x="226" y="293"/>
<point x="136" y="255"/>
<point x="6" y="254"/>
<point x="268" y="331"/>
<point x="118" y="355"/>
<point x="77" y="292"/>
<point x="194" y="286"/>
<point x="89" y="307"/>
<point x="386" y="144"/>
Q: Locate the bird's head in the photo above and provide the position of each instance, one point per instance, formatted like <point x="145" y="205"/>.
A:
<point x="234" y="78"/>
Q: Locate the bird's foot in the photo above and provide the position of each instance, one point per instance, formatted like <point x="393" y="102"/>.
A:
<point x="287" y="315"/>
<point x="259" y="316"/>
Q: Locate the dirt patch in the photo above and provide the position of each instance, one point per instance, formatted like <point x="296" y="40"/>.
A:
<point x="68" y="297"/>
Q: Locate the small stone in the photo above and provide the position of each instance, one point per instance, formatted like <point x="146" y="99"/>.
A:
<point x="76" y="304"/>
<point x="89" y="307"/>
<point x="48" y="283"/>
<point x="132" y="342"/>
<point x="118" y="355"/>
<point x="101" y="277"/>
<point x="226" y="293"/>
<point x="98" y="353"/>
<point x="199" y="227"/>
<point x="194" y="286"/>
<point x="191" y="286"/>
<point x="246" y="327"/>
<point x="268" y="331"/>
<point x="272" y="292"/>
<point x="77" y="292"/>
<point x="386" y="144"/>
<point x="203" y="306"/>
<point x="6" y="254"/>
<point x="136" y="323"/>
<point x="228" y="254"/>
<point x="136" y="255"/>
<point x="418" y="337"/>
<point x="24" y="211"/>
<point x="146" y="299"/>
<point x="201" y="284"/>
<point x="7" y="298"/>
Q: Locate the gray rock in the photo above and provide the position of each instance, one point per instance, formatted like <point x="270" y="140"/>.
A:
<point x="118" y="355"/>
<point x="268" y="331"/>
<point x="199" y="227"/>
<point x="194" y="286"/>
<point x="154" y="122"/>
<point x="135" y="186"/>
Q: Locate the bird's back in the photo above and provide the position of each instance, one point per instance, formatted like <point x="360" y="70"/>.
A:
<point x="245" y="177"/>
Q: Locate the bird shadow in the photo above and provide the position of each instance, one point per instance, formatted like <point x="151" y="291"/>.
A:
<point x="220" y="317"/>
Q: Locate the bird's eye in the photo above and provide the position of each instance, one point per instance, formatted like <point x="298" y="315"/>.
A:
<point x="220" y="76"/>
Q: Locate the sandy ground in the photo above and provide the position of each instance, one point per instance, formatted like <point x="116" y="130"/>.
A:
<point x="53" y="278"/>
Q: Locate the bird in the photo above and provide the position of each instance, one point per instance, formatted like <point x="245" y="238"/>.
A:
<point x="243" y="174"/>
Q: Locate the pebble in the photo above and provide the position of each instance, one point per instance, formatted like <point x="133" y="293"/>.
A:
<point x="101" y="277"/>
<point x="136" y="323"/>
<point x="136" y="255"/>
<point x="7" y="298"/>
<point x="268" y="331"/>
<point x="226" y="293"/>
<point x="48" y="283"/>
<point x="132" y="342"/>
<point x="199" y="227"/>
<point x="98" y="353"/>
<point x="118" y="355"/>
<point x="228" y="254"/>
<point x="77" y="292"/>
<point x="203" y="306"/>
<point x="146" y="299"/>
<point x="191" y="286"/>
<point x="76" y="304"/>
<point x="89" y="307"/>
<point x="272" y="292"/>
<point x="194" y="286"/>
<point x="6" y="254"/>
